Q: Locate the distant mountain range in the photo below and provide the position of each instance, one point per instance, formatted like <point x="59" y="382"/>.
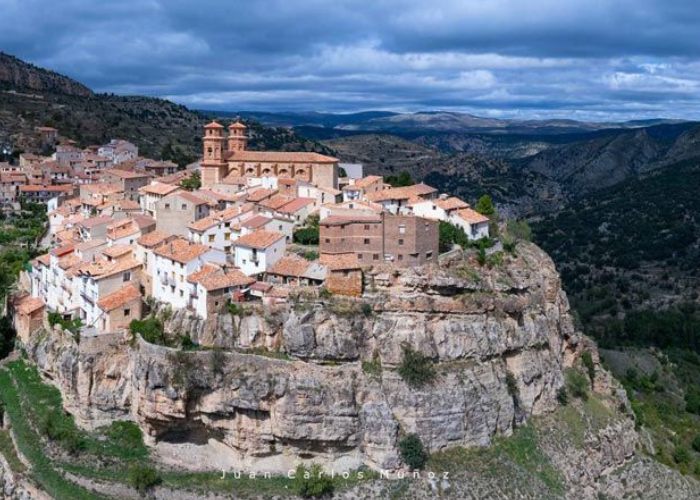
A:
<point x="434" y="121"/>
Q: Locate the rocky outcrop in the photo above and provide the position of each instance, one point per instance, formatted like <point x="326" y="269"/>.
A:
<point x="499" y="339"/>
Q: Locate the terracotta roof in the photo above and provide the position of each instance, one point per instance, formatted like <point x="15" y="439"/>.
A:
<point x="218" y="280"/>
<point x="290" y="265"/>
<point x="126" y="174"/>
<point x="115" y="251"/>
<point x="340" y="220"/>
<point x="175" y="178"/>
<point x="255" y="222"/>
<point x="27" y="304"/>
<point x="237" y="125"/>
<point x="153" y="238"/>
<point x="159" y="188"/>
<point x="260" y="194"/>
<point x="143" y="221"/>
<point x="365" y="181"/>
<point x="401" y="193"/>
<point x="69" y="261"/>
<point x="62" y="250"/>
<point x="89" y="244"/>
<point x="203" y="272"/>
<point x="295" y="205"/>
<point x="192" y="198"/>
<point x="213" y="124"/>
<point x="53" y="189"/>
<point x="276" y="201"/>
<point x="120" y="298"/>
<point x="102" y="188"/>
<point x="259" y="239"/>
<point x="472" y="216"/>
<point x="215" y="219"/>
<point x="181" y="250"/>
<point x="340" y="261"/>
<point x="451" y="203"/>
<point x="216" y="195"/>
<point x="103" y="268"/>
<point x="278" y="157"/>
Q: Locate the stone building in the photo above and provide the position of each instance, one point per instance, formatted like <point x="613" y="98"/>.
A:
<point x="226" y="156"/>
<point x="404" y="240"/>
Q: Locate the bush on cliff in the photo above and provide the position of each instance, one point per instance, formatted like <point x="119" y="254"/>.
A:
<point x="312" y="482"/>
<point x="150" y="329"/>
<point x="416" y="369"/>
<point x="577" y="384"/>
<point x="143" y="478"/>
<point x="412" y="452"/>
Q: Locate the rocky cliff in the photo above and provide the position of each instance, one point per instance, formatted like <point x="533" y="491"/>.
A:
<point x="499" y="339"/>
<point x="21" y="75"/>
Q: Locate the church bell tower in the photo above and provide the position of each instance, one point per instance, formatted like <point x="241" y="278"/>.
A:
<point x="213" y="165"/>
<point x="237" y="138"/>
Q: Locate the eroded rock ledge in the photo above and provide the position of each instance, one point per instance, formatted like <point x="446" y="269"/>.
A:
<point x="477" y="324"/>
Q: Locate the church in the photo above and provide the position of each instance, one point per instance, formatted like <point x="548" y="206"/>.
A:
<point x="228" y="156"/>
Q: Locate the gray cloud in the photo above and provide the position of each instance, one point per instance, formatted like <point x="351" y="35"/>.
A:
<point x="590" y="59"/>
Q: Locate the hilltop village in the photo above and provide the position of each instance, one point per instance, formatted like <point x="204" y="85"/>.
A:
<point x="123" y="228"/>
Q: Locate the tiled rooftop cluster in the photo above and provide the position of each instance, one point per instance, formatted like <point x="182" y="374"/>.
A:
<point x="122" y="227"/>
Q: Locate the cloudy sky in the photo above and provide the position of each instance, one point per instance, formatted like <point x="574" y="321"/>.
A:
<point x="586" y="59"/>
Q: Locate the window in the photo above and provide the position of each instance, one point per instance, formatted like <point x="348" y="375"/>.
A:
<point x="227" y="236"/>
<point x="167" y="206"/>
<point x="359" y="256"/>
<point x="181" y="293"/>
<point x="366" y="227"/>
<point x="366" y="241"/>
<point x="328" y="240"/>
<point x="375" y="256"/>
<point x="427" y="226"/>
<point x="400" y="242"/>
<point x="402" y="229"/>
<point x="127" y="276"/>
<point x="400" y="257"/>
<point x="211" y="238"/>
<point x="127" y="312"/>
<point x="429" y="255"/>
<point x="184" y="206"/>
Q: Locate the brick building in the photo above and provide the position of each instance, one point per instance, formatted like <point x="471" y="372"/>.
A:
<point x="403" y="240"/>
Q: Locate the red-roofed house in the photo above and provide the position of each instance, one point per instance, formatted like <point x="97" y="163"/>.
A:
<point x="255" y="252"/>
<point x="176" y="211"/>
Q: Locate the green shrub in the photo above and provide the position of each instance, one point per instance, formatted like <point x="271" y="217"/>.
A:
<point x="307" y="235"/>
<point x="519" y="230"/>
<point x="412" y="452"/>
<point x="696" y="443"/>
<point x="577" y="384"/>
<point x="323" y="293"/>
<point x="143" y="477"/>
<point x="312" y="482"/>
<point x="512" y="385"/>
<point x="681" y="455"/>
<point x="373" y="367"/>
<point x="367" y="309"/>
<point x="485" y="206"/>
<point x="186" y="343"/>
<point x="562" y="396"/>
<point x="150" y="329"/>
<point x="587" y="361"/>
<point x="692" y="399"/>
<point x="416" y="369"/>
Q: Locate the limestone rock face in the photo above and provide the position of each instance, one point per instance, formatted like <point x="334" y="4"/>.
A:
<point x="499" y="339"/>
